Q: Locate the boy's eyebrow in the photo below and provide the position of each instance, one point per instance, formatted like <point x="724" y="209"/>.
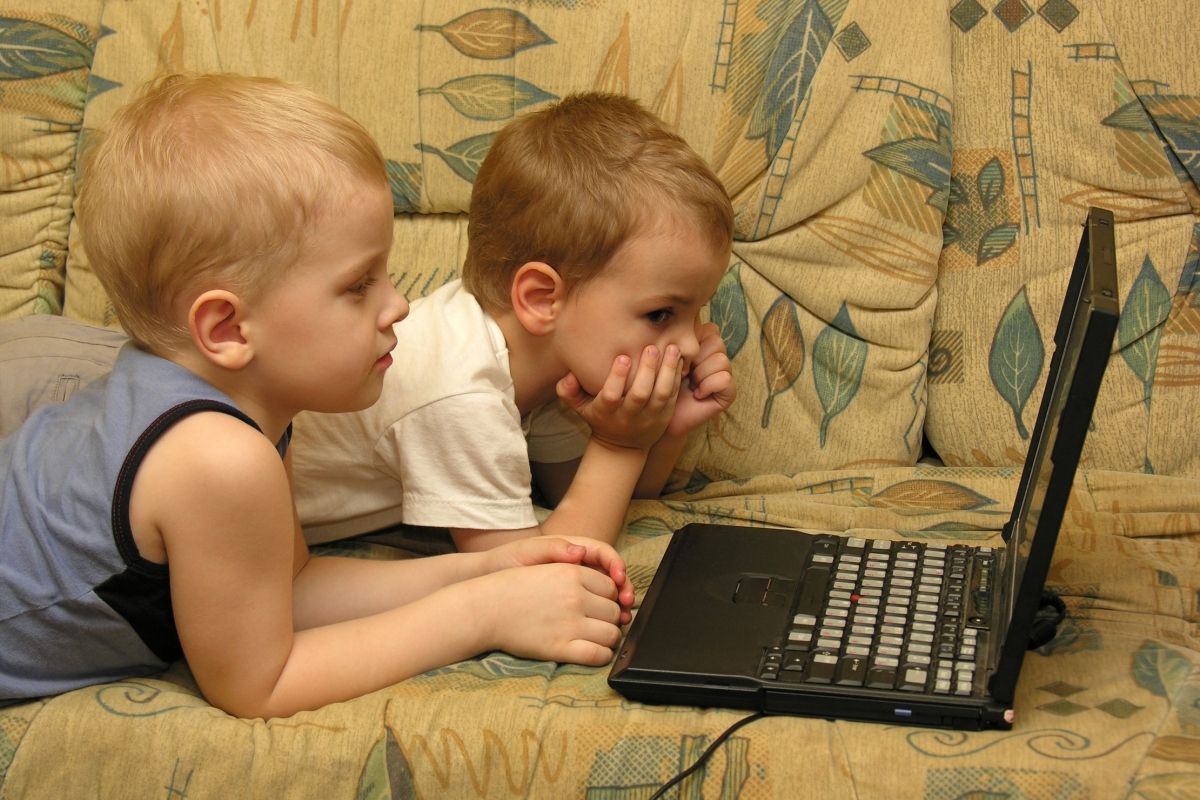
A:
<point x="671" y="299"/>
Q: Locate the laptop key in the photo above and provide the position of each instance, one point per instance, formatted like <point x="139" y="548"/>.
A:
<point x="821" y="667"/>
<point x="881" y="678"/>
<point x="913" y="678"/>
<point x="851" y="671"/>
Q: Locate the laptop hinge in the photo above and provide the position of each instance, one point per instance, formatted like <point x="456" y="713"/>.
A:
<point x="1050" y="613"/>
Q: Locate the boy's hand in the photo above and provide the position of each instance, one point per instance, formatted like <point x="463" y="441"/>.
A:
<point x="555" y="612"/>
<point x="709" y="388"/>
<point x="636" y="418"/>
<point x="568" y="550"/>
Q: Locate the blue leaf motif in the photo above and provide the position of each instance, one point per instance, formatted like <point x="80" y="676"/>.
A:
<point x="464" y="157"/>
<point x="1159" y="669"/>
<point x="404" y="178"/>
<point x="489" y="97"/>
<point x="1141" y="325"/>
<point x="729" y="311"/>
<point x="789" y="75"/>
<point x="33" y="50"/>
<point x="838" y="359"/>
<point x="1016" y="358"/>
<point x="990" y="182"/>
<point x="1189" y="279"/>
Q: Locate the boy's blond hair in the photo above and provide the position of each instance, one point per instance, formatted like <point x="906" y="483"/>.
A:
<point x="211" y="181"/>
<point x="569" y="184"/>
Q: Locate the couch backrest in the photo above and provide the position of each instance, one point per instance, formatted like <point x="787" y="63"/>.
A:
<point x="908" y="185"/>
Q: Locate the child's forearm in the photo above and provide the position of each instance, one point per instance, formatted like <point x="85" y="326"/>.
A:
<point x="340" y="661"/>
<point x="596" y="502"/>
<point x="659" y="464"/>
<point x="320" y="597"/>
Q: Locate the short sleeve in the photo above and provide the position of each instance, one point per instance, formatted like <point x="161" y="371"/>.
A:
<point x="462" y="462"/>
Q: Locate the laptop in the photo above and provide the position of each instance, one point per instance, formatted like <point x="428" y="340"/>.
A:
<point x="844" y="627"/>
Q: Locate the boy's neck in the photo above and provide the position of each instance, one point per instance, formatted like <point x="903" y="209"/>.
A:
<point x="235" y="386"/>
<point x="531" y="361"/>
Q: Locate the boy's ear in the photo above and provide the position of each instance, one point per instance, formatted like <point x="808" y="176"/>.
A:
<point x="215" y="322"/>
<point x="538" y="292"/>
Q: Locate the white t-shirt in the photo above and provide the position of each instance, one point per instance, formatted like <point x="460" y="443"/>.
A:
<point x="444" y="446"/>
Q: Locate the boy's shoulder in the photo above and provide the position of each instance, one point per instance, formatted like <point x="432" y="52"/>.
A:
<point x="447" y="345"/>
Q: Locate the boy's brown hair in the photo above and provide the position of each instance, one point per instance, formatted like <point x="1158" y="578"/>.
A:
<point x="569" y="184"/>
<point x="212" y="180"/>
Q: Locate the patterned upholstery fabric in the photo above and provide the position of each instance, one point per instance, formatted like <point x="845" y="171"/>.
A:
<point x="909" y="181"/>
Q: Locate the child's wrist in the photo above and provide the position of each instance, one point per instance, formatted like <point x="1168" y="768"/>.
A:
<point x="618" y="445"/>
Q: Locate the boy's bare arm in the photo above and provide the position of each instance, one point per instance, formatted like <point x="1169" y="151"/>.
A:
<point x="625" y="424"/>
<point x="239" y="577"/>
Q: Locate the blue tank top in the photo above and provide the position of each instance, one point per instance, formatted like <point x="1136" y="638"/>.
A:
<point x="78" y="604"/>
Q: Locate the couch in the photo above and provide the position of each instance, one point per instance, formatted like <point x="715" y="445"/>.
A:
<point x="909" y="181"/>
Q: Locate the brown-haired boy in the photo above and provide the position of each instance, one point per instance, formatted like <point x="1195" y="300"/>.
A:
<point x="595" y="237"/>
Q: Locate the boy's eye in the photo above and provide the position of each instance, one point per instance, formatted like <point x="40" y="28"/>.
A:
<point x="660" y="317"/>
<point x="362" y="286"/>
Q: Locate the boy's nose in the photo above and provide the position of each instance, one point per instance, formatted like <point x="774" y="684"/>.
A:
<point x="689" y="345"/>
<point x="396" y="310"/>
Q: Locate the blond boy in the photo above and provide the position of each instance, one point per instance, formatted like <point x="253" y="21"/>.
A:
<point x="595" y="237"/>
<point x="242" y="228"/>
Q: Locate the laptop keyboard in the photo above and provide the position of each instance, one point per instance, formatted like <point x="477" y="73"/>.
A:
<point x="901" y="615"/>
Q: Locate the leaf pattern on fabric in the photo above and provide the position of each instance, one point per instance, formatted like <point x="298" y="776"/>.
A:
<point x="839" y="356"/>
<point x="1160" y="670"/>
<point x="489" y="97"/>
<point x="1189" y="278"/>
<point x="613" y="75"/>
<point x="1140" y="329"/>
<point x="729" y="311"/>
<point x="386" y="772"/>
<point x="668" y="103"/>
<point x="404" y="179"/>
<point x="789" y="74"/>
<point x="782" y="350"/>
<point x="648" y="527"/>
<point x="1016" y="358"/>
<point x="464" y="157"/>
<point x="491" y="33"/>
<point x="928" y="496"/>
<point x="927" y="161"/>
<point x="977" y="220"/>
<point x="32" y="50"/>
<point x="877" y="247"/>
<point x="1173" y="119"/>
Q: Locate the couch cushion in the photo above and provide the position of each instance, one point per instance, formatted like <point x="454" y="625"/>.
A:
<point x="1050" y="121"/>
<point x="46" y="51"/>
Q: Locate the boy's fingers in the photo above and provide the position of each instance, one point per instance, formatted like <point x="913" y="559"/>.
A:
<point x="588" y="652"/>
<point x="666" y="386"/>
<point x="710" y="365"/>
<point x="711" y="385"/>
<point x="570" y="391"/>
<point x="643" y="382"/>
<point x="614" y="384"/>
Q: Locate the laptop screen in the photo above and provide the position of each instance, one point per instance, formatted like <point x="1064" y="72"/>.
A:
<point x="1090" y="291"/>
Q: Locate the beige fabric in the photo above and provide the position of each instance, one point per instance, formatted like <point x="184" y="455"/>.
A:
<point x="47" y="58"/>
<point x="1055" y="122"/>
<point x="46" y="358"/>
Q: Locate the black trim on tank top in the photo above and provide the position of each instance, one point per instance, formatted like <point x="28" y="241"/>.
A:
<point x="141" y="594"/>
